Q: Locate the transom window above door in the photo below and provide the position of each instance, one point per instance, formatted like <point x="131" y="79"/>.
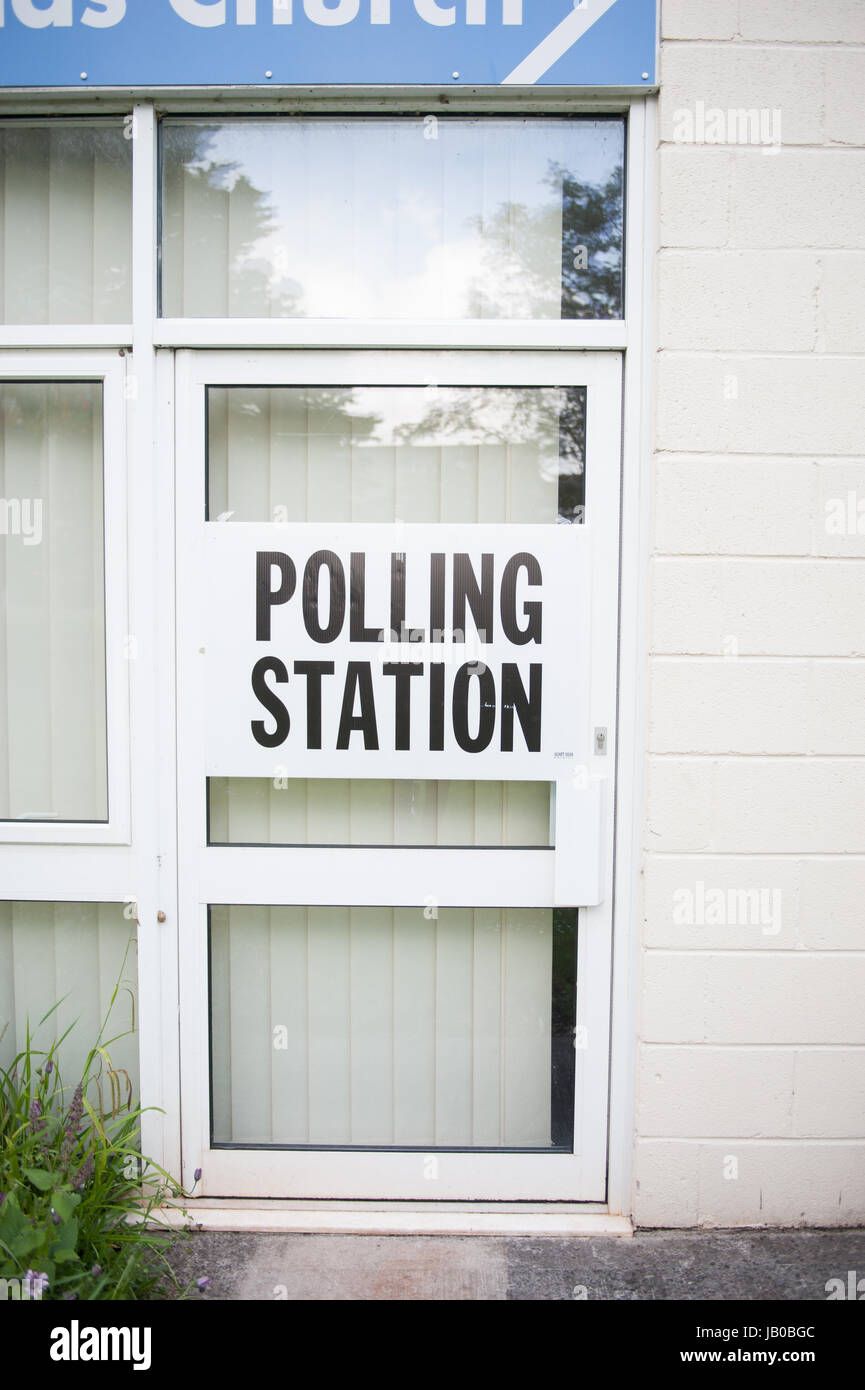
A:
<point x="420" y="217"/>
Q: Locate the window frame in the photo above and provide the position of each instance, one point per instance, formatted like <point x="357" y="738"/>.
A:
<point x="357" y="331"/>
<point x="76" y="873"/>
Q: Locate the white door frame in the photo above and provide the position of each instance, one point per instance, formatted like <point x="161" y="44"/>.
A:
<point x="239" y="875"/>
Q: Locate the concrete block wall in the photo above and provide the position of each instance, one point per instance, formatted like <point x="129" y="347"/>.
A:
<point x="751" y="1068"/>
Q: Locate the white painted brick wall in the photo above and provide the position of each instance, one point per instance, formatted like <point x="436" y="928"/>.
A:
<point x="821" y="901"/>
<point x="757" y="607"/>
<point x="739" y="505"/>
<point x="842" y="301"/>
<point x="844" y="110"/>
<point x="747" y="76"/>
<point x="761" y="404"/>
<point x="751" y="1069"/>
<point x="797" y="21"/>
<point x="741" y="1182"/>
<point x="749" y="301"/>
<point x="798" y="198"/>
<point x="755" y="706"/>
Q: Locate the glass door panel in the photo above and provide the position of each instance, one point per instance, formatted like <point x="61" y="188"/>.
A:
<point x="400" y="1029"/>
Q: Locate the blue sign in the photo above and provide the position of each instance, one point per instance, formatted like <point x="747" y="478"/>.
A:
<point x="441" y="43"/>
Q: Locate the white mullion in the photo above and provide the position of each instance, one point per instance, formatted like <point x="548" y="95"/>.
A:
<point x="193" y="896"/>
<point x="66" y="335"/>
<point x="385" y="368"/>
<point x="631" y="695"/>
<point x="376" y="877"/>
<point x="66" y="873"/>
<point x="147" y="645"/>
<point x="162" y="987"/>
<point x="581" y="335"/>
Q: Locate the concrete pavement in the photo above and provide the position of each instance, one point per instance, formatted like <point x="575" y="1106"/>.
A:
<point x="681" y="1265"/>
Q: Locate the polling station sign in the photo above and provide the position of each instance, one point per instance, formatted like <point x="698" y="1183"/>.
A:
<point x="451" y="651"/>
<point x="440" y="43"/>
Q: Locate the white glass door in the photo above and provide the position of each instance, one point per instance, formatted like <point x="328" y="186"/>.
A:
<point x="397" y="614"/>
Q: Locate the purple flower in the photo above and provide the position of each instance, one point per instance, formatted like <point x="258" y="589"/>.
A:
<point x="203" y="1283"/>
<point x="55" y="1218"/>
<point x="76" y="1109"/>
<point x="84" y="1174"/>
<point x="49" y="1067"/>
<point x="72" y="1123"/>
<point x="2" y="1198"/>
<point x="96" y="1271"/>
<point x="197" y="1175"/>
<point x="37" y="1283"/>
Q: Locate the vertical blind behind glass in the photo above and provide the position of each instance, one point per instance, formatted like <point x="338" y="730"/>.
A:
<point x="392" y="1027"/>
<point x="52" y="603"/>
<point x="470" y="454"/>
<point x="65" y="222"/>
<point x="73" y="955"/>
<point x="378" y="811"/>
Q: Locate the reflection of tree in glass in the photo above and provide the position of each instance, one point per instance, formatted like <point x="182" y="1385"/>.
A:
<point x="552" y="419"/>
<point x="520" y="263"/>
<point x="560" y="259"/>
<point x="333" y="411"/>
<point x="563" y="1021"/>
<point x="229" y="210"/>
<point x="592" y="216"/>
<point x="337" y="412"/>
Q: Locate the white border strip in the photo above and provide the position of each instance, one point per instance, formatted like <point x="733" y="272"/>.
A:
<point x="381" y="1222"/>
<point x="633" y="670"/>
<point x="556" y="44"/>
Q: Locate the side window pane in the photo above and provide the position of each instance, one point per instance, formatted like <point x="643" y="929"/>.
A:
<point x="53" y="762"/>
<point x="66" y="208"/>
<point x="73" y="955"/>
<point x="379" y="218"/>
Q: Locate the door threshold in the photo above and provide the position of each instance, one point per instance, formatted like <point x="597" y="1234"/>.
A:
<point x="391" y="1219"/>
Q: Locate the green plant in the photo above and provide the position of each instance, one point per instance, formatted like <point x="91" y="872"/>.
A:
<point x="77" y="1197"/>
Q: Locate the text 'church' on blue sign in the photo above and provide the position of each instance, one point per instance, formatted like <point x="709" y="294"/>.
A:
<point x="456" y="43"/>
